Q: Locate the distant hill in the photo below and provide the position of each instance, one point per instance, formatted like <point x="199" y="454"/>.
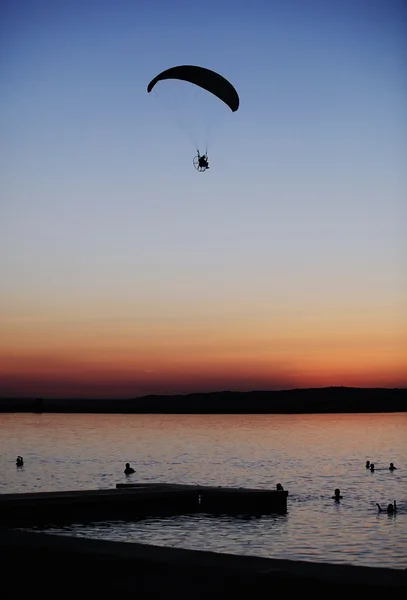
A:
<point x="296" y="401"/>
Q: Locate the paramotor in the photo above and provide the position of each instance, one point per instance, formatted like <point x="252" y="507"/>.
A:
<point x="207" y="80"/>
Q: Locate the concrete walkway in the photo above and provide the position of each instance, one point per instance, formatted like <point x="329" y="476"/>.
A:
<point x="135" y="501"/>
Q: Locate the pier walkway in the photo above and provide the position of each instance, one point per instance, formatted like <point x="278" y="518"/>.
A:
<point x="134" y="501"/>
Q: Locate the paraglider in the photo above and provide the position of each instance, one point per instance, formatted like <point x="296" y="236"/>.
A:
<point x="207" y="80"/>
<point x="201" y="162"/>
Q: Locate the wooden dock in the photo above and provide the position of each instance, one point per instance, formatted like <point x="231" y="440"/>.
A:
<point x="135" y="501"/>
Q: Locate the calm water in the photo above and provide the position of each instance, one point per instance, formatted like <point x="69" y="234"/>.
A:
<point x="310" y="455"/>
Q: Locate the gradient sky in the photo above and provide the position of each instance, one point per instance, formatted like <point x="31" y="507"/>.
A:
<point x="124" y="272"/>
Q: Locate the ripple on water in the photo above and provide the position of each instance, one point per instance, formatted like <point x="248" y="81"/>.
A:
<point x="310" y="455"/>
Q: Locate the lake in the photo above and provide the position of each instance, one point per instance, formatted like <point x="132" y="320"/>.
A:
<point x="310" y="455"/>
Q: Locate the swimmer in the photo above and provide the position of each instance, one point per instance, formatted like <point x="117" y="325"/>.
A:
<point x="392" y="467"/>
<point x="20" y="461"/>
<point x="391" y="508"/>
<point x="367" y="465"/>
<point x="129" y="470"/>
<point x="279" y="487"/>
<point x="337" y="495"/>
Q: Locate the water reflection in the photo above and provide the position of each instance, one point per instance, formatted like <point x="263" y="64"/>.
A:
<point x="311" y="455"/>
<point x="303" y="540"/>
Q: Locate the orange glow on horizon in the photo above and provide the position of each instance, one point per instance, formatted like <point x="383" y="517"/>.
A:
<point x="128" y="359"/>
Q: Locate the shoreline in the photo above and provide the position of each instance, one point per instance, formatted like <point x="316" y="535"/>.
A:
<point x="83" y="566"/>
<point x="331" y="400"/>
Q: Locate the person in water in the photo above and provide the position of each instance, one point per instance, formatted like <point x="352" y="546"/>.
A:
<point x="337" y="495"/>
<point x="372" y="467"/>
<point x="279" y="487"/>
<point x="391" y="508"/>
<point x="129" y="470"/>
<point x="20" y="461"/>
<point x="367" y="465"/>
<point x="392" y="467"/>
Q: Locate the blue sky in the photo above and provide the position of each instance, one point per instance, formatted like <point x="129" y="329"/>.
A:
<point x="304" y="204"/>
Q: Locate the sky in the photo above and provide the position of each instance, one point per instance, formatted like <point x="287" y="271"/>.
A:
<point x="124" y="271"/>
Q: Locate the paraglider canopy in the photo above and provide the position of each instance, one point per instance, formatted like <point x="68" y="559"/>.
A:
<point x="204" y="78"/>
